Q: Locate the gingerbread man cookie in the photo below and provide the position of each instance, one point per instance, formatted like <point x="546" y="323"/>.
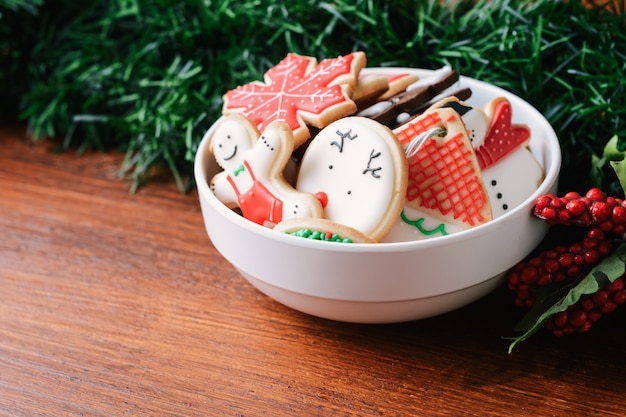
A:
<point x="253" y="166"/>
<point x="358" y="169"/>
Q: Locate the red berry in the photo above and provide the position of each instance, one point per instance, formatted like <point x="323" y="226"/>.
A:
<point x="619" y="297"/>
<point x="528" y="275"/>
<point x="572" y="195"/>
<point x="576" y="207"/>
<point x="591" y="257"/>
<point x="600" y="297"/>
<point x="548" y="213"/>
<point x="595" y="194"/>
<point x="595" y="209"/>
<point x="566" y="260"/>
<point x="579" y="317"/>
<point x="604" y="216"/>
<point x="601" y="211"/>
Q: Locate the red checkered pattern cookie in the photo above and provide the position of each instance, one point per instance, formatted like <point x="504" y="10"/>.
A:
<point x="444" y="176"/>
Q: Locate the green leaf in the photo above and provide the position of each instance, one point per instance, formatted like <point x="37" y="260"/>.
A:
<point x="607" y="271"/>
<point x="614" y="150"/>
<point x="609" y="167"/>
<point x="620" y="170"/>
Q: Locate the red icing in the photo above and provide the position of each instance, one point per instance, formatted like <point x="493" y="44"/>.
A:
<point x="257" y="203"/>
<point x="502" y="137"/>
<point x="293" y="86"/>
<point x="441" y="176"/>
<point x="323" y="198"/>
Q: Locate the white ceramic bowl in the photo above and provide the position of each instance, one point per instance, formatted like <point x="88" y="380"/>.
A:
<point x="386" y="282"/>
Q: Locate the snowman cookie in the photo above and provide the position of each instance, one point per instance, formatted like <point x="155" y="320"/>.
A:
<point x="253" y="166"/>
<point x="510" y="171"/>
<point x="358" y="169"/>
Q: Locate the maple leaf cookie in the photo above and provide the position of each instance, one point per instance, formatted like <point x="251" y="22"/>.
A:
<point x="299" y="91"/>
<point x="253" y="166"/>
<point x="358" y="169"/>
<point x="445" y="180"/>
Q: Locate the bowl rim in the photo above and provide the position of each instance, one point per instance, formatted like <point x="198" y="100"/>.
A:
<point x="551" y="173"/>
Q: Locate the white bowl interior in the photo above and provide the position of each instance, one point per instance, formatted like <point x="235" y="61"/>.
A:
<point x="386" y="282"/>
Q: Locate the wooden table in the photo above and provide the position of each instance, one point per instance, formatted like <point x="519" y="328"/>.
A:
<point x="117" y="304"/>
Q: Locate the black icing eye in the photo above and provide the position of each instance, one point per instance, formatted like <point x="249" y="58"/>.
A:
<point x="330" y="167"/>
<point x="349" y="192"/>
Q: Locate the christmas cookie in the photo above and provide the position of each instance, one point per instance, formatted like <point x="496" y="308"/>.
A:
<point x="322" y="229"/>
<point x="398" y="83"/>
<point x="369" y="88"/>
<point x="253" y="166"/>
<point x="358" y="169"/>
<point x="475" y="119"/>
<point x="456" y="95"/>
<point x="372" y="83"/>
<point x="299" y="91"/>
<point x="411" y="100"/>
<point x="510" y="171"/>
<point x="445" y="180"/>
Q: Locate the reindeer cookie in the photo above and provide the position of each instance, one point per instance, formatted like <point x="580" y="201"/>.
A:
<point x="253" y="166"/>
<point x="358" y="169"/>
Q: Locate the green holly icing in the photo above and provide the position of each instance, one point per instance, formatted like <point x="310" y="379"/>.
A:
<point x="418" y="224"/>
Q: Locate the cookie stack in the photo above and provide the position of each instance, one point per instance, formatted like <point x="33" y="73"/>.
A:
<point x="339" y="152"/>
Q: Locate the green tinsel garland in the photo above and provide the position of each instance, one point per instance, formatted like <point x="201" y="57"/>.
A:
<point x="147" y="76"/>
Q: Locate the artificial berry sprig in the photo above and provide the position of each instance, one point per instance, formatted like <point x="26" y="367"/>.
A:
<point x="579" y="317"/>
<point x="594" y="209"/>
<point x="558" y="264"/>
<point x="569" y="287"/>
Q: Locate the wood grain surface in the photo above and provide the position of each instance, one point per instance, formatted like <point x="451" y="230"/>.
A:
<point x="117" y="304"/>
